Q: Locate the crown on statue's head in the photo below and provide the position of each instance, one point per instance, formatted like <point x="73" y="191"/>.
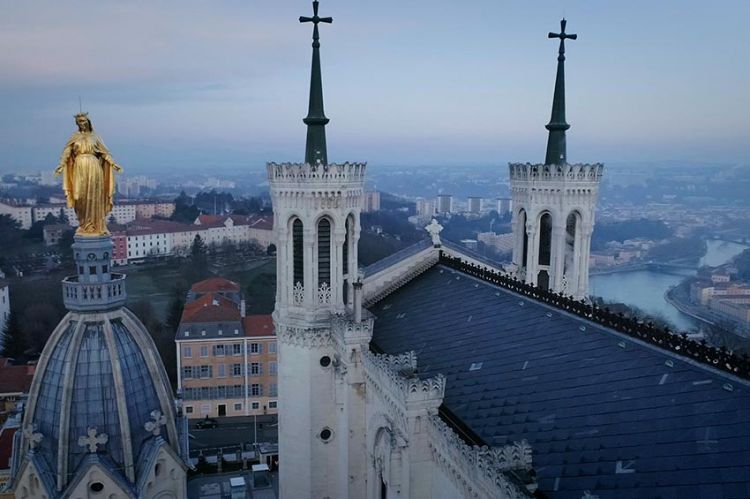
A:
<point x="82" y="115"/>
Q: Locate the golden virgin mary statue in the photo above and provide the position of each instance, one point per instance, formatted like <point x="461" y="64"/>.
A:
<point x="88" y="180"/>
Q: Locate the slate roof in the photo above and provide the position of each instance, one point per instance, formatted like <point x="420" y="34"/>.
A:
<point x="603" y="412"/>
<point x="258" y="325"/>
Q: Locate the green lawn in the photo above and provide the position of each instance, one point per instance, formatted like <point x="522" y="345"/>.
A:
<point x="156" y="283"/>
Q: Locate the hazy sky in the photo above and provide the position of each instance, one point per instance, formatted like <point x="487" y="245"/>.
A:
<point x="216" y="84"/>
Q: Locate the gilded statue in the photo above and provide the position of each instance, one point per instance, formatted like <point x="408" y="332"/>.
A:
<point x="88" y="179"/>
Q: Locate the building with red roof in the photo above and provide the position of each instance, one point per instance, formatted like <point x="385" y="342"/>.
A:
<point x="15" y="382"/>
<point x="226" y="360"/>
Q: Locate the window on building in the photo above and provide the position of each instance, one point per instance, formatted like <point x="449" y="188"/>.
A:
<point x="255" y="369"/>
<point x="272" y="404"/>
<point x="256" y="390"/>
<point x="187" y="372"/>
<point x="273" y="390"/>
<point x="297" y="249"/>
<point x="222" y="370"/>
<point x="219" y="350"/>
<point x="206" y="371"/>
<point x="324" y="251"/>
<point x="237" y="349"/>
<point x="238" y="406"/>
<point x="187" y="352"/>
<point x="236" y="369"/>
<point x="272" y="347"/>
<point x="273" y="367"/>
<point x="188" y="409"/>
<point x="256" y="405"/>
<point x="204" y="351"/>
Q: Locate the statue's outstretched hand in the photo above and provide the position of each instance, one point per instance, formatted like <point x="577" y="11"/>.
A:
<point x="59" y="170"/>
<point x="117" y="167"/>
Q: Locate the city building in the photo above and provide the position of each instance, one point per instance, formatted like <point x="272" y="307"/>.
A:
<point x="444" y="203"/>
<point x="52" y="233"/>
<point x="15" y="381"/>
<point x="226" y="360"/>
<point x="425" y="208"/>
<point x="474" y="204"/>
<point x="504" y="205"/>
<point x="372" y="201"/>
<point x="123" y="212"/>
<point x="499" y="242"/>
<point x="101" y="419"/>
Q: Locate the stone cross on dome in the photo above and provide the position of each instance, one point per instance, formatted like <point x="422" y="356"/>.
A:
<point x="434" y="230"/>
<point x="157" y="421"/>
<point x="93" y="440"/>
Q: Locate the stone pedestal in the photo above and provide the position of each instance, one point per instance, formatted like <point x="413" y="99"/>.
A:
<point x="95" y="287"/>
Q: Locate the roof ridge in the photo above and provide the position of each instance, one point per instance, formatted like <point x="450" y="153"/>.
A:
<point x="700" y="352"/>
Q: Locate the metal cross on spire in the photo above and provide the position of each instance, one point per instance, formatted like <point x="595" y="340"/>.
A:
<point x="556" y="145"/>
<point x="315" y="150"/>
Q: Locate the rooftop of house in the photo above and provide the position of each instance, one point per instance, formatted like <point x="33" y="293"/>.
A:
<point x="258" y="325"/>
<point x="13" y="378"/>
<point x="211" y="307"/>
<point x="604" y="409"/>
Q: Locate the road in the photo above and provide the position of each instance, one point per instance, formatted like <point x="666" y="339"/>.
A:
<point x="232" y="433"/>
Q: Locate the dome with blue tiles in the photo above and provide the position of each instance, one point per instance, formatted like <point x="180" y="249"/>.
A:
<point x="100" y="396"/>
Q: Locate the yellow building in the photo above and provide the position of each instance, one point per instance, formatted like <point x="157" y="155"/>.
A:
<point x="226" y="361"/>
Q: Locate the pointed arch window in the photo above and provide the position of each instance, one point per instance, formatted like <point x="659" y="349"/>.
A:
<point x="324" y="251"/>
<point x="297" y="249"/>
<point x="545" y="239"/>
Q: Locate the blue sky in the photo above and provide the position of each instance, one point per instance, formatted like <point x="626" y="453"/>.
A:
<point x="223" y="84"/>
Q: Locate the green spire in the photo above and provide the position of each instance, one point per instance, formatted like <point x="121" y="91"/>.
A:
<point x="556" y="148"/>
<point x="315" y="149"/>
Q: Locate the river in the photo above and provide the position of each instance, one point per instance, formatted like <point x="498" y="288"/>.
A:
<point x="645" y="288"/>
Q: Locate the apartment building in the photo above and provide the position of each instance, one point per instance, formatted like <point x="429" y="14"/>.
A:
<point x="226" y="360"/>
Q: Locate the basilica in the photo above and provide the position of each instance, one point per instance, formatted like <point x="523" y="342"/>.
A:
<point x="433" y="373"/>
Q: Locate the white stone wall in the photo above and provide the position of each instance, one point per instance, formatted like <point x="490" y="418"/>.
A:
<point x="560" y="191"/>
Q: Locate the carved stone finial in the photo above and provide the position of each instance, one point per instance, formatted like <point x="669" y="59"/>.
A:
<point x="93" y="440"/>
<point x="33" y="437"/>
<point x="434" y="230"/>
<point x="157" y="421"/>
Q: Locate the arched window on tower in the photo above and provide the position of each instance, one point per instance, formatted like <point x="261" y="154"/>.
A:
<point x="298" y="258"/>
<point x="525" y="236"/>
<point x="545" y="239"/>
<point x="571" y="226"/>
<point x="324" y="252"/>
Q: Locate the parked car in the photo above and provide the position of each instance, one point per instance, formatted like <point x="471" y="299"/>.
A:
<point x="204" y="424"/>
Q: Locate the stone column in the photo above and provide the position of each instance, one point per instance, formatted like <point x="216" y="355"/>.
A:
<point x="557" y="261"/>
<point x="310" y="272"/>
<point x="337" y="269"/>
<point x="532" y="251"/>
<point x="283" y="288"/>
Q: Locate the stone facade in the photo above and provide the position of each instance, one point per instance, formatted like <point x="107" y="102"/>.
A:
<point x="353" y="423"/>
<point x="553" y="218"/>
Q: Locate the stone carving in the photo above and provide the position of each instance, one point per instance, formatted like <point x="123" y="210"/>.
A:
<point x="577" y="172"/>
<point x="434" y="230"/>
<point x="33" y="437"/>
<point x="304" y="337"/>
<point x="93" y="440"/>
<point x="157" y="421"/>
<point x="303" y="172"/>
<point x="380" y="368"/>
<point x="475" y="468"/>
<point x="298" y="294"/>
<point x="324" y="294"/>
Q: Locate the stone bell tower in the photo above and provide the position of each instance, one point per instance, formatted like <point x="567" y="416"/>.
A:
<point x="316" y="225"/>
<point x="553" y="205"/>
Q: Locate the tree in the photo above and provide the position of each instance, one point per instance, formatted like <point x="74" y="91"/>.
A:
<point x="162" y="336"/>
<point x="63" y="217"/>
<point x="14" y="340"/>
<point x="198" y="249"/>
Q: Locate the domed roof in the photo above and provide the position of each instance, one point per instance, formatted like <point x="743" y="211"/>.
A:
<point x="99" y="388"/>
